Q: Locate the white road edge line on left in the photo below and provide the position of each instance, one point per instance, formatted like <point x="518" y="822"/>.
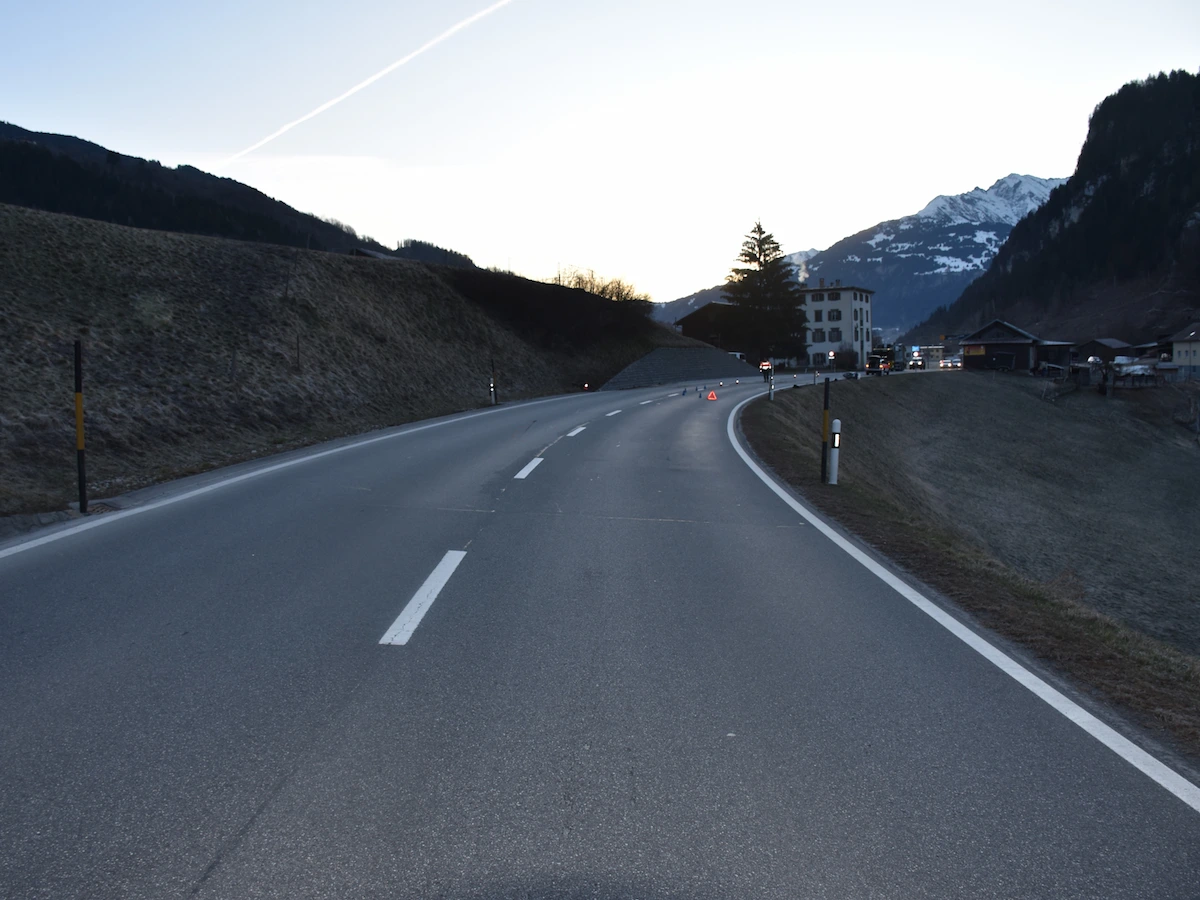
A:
<point x="412" y="614"/>
<point x="529" y="467"/>
<point x="109" y="518"/>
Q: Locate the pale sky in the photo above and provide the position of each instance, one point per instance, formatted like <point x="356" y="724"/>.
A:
<point x="638" y="139"/>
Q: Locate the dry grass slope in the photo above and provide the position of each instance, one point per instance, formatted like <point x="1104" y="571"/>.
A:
<point x="1070" y="525"/>
<point x="203" y="351"/>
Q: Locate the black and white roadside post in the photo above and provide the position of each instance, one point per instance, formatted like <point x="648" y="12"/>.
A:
<point x="492" y="385"/>
<point x="79" y="428"/>
<point x="771" y="389"/>
<point x="835" y="445"/>
<point x="825" y="437"/>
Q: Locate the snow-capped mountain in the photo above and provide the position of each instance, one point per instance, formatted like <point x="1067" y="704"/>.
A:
<point x="923" y="261"/>
<point x="1009" y="200"/>
<point x="800" y="259"/>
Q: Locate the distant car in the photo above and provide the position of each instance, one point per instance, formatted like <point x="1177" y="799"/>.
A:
<point x="956" y="362"/>
<point x="917" y="363"/>
<point x="945" y="364"/>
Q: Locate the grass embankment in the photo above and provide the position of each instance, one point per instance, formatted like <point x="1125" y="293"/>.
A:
<point x="201" y="351"/>
<point x="1069" y="525"/>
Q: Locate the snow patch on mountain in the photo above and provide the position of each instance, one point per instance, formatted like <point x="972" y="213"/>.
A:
<point x="1008" y="200"/>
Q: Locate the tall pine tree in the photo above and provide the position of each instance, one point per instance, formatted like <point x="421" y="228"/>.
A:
<point x="770" y="306"/>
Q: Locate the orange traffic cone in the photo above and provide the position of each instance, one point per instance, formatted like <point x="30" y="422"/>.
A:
<point x="712" y="395"/>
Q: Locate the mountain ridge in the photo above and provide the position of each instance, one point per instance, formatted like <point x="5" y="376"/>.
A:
<point x="1114" y="252"/>
<point x="65" y="174"/>
<point x="917" y="262"/>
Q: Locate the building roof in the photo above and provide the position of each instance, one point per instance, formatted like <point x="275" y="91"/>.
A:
<point x="837" y="287"/>
<point x="1020" y="331"/>
<point x="1191" y="333"/>
<point x="373" y="254"/>
<point x="1110" y="343"/>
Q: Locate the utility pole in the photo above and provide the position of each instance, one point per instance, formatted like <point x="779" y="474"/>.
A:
<point x="79" y="457"/>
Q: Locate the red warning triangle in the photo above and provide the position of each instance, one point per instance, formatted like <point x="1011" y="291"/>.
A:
<point x="712" y="395"/>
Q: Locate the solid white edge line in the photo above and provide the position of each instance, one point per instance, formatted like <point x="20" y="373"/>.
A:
<point x="108" y="518"/>
<point x="613" y="413"/>
<point x="414" y="611"/>
<point x="529" y="467"/>
<point x="575" y="431"/>
<point x="1122" y="746"/>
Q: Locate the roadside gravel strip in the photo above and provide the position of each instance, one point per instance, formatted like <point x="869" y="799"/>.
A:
<point x="1126" y="749"/>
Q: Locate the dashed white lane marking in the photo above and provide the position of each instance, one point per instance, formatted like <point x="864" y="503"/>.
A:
<point x="576" y="431"/>
<point x="644" y="402"/>
<point x="1122" y="746"/>
<point x="529" y="467"/>
<point x="109" y="518"/>
<point x="613" y="413"/>
<point x="416" y="608"/>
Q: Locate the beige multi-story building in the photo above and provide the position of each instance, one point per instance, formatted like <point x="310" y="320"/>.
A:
<point x="839" y="318"/>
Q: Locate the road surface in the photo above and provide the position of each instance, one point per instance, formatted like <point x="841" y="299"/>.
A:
<point x="429" y="666"/>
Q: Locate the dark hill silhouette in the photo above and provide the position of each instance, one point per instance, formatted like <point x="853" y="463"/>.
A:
<point x="1116" y="250"/>
<point x="59" y="173"/>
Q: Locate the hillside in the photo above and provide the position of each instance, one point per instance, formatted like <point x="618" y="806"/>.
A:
<point x="1116" y="250"/>
<point x="202" y="351"/>
<point x="58" y="173"/>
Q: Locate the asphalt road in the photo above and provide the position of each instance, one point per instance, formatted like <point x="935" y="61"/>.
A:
<point x="644" y="676"/>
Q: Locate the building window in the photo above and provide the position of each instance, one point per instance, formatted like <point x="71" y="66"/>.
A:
<point x="835" y="335"/>
<point x="856" y="314"/>
<point x="866" y="298"/>
<point x="836" y="295"/>
<point x="818" y="335"/>
<point x="835" y="315"/>
<point x="818" y="298"/>
<point x="817" y="315"/>
<point x="856" y="334"/>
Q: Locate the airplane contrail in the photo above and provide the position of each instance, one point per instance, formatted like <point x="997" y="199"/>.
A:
<point x="449" y="32"/>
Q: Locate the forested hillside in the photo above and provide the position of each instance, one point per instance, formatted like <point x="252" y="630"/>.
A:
<point x="1116" y="250"/>
<point x="58" y="173"/>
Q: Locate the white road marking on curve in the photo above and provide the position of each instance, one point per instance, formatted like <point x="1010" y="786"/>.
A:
<point x="613" y="413"/>
<point x="651" y="400"/>
<point x="109" y="518"/>
<point x="1120" y="745"/>
<point x="576" y="431"/>
<point x="529" y="467"/>
<point x="410" y="617"/>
